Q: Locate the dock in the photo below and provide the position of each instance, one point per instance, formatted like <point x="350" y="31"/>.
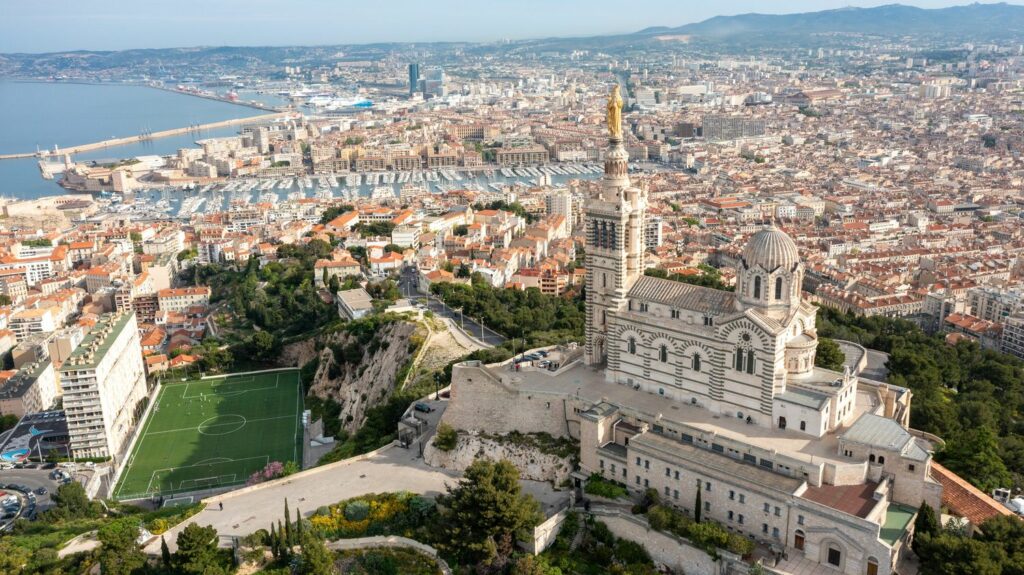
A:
<point x="146" y="137"/>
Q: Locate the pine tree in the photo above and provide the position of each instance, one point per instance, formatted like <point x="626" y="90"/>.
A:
<point x="698" y="506"/>
<point x="165" y="553"/>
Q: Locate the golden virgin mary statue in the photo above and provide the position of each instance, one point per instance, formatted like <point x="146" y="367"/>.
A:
<point x="615" y="114"/>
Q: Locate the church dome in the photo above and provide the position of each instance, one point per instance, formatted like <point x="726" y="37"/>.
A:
<point x="771" y="248"/>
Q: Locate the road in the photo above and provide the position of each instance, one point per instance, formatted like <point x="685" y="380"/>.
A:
<point x="407" y="284"/>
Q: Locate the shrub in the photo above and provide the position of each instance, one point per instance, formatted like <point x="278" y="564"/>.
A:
<point x="706" y="535"/>
<point x="446" y="438"/>
<point x="273" y="470"/>
<point x="649" y="499"/>
<point x="159" y="526"/>
<point x="659" y="518"/>
<point x="257" y="538"/>
<point x="630" y="552"/>
<point x="601" y="487"/>
<point x="739" y="545"/>
<point x="289" y="468"/>
<point x="357" y="510"/>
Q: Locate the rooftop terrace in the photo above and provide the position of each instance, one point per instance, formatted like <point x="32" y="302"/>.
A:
<point x="588" y="384"/>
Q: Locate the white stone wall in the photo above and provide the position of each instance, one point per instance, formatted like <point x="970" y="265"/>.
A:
<point x="493" y="407"/>
<point x="545" y="533"/>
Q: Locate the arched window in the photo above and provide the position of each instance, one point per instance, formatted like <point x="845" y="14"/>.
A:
<point x="663" y="354"/>
<point x="871" y="458"/>
<point x="778" y="288"/>
<point x="757" y="287"/>
<point x="631" y="346"/>
<point x="696" y="362"/>
<point x="744" y="360"/>
<point x="881" y="459"/>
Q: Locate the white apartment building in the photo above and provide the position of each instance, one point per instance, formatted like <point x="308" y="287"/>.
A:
<point x="36" y="268"/>
<point x="180" y="299"/>
<point x="103" y="381"/>
<point x="170" y="241"/>
<point x="36" y="320"/>
<point x="31" y="389"/>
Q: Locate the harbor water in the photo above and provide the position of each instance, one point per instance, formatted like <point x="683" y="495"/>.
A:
<point x="37" y="115"/>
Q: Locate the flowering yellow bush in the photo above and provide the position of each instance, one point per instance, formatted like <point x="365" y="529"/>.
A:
<point x="374" y="514"/>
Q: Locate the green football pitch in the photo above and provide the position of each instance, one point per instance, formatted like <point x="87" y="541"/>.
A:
<point x="215" y="432"/>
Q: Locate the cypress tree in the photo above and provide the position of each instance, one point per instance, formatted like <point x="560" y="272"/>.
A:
<point x="165" y="552"/>
<point x="698" y="506"/>
<point x="298" y="526"/>
<point x="275" y="547"/>
<point x="926" y="526"/>
<point x="287" y="525"/>
<point x="281" y="536"/>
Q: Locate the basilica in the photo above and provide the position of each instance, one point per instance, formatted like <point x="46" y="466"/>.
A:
<point x="681" y="388"/>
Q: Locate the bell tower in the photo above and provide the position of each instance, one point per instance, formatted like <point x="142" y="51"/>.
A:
<point x="615" y="238"/>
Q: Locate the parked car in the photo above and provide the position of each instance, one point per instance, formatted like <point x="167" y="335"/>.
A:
<point x="41" y="491"/>
<point x="543" y="364"/>
<point x="423" y="407"/>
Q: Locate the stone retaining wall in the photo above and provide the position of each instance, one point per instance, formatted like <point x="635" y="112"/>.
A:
<point x="389" y="541"/>
<point x="674" y="552"/>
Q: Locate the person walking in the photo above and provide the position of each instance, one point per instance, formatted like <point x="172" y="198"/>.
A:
<point x="222" y="506"/>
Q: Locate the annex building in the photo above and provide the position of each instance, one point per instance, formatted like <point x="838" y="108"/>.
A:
<point x="682" y="388"/>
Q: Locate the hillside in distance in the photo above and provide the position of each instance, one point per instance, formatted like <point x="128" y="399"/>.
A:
<point x="976" y="21"/>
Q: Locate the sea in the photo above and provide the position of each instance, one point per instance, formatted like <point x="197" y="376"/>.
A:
<point x="37" y="115"/>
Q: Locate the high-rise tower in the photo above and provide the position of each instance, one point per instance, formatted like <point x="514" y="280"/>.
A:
<point x="414" y="78"/>
<point x="615" y="237"/>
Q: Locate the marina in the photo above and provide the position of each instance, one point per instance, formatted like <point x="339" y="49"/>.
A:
<point x="188" y="201"/>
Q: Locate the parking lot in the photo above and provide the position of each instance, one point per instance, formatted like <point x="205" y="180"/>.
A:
<point x="22" y="482"/>
<point x="25" y="486"/>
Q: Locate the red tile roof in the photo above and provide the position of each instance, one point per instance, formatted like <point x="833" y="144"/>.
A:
<point x="853" y="499"/>
<point x="964" y="499"/>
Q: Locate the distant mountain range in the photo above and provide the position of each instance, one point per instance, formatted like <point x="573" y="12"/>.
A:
<point x="998" y="20"/>
<point x="979" y="23"/>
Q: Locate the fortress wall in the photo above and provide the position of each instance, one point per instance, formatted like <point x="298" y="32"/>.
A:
<point x="481" y="403"/>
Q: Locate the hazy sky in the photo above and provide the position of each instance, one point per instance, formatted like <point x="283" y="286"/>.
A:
<point x="56" y="25"/>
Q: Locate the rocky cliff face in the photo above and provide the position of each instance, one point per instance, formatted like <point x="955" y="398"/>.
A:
<point x="358" y="368"/>
<point x="533" y="463"/>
